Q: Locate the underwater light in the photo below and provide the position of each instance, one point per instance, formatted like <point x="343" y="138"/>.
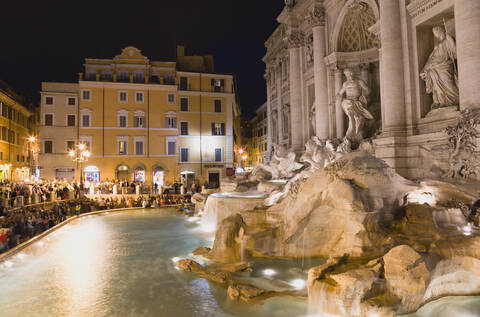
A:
<point x="298" y="284"/>
<point x="40" y="244"/>
<point x="175" y="259"/>
<point x="269" y="272"/>
<point x="21" y="256"/>
<point x="8" y="263"/>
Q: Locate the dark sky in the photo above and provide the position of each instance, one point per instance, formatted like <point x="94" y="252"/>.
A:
<point x="48" y="40"/>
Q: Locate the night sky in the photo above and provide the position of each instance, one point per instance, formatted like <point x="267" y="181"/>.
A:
<point x="49" y="40"/>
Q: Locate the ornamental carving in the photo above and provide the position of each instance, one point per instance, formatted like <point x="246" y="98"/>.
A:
<point x="295" y="39"/>
<point x="316" y="17"/>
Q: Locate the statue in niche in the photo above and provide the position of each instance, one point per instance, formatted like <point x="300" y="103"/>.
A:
<point x="354" y="105"/>
<point x="309" y="51"/>
<point x="313" y="119"/>
<point x="440" y="73"/>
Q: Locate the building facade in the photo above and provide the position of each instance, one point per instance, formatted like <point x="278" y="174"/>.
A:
<point x="387" y="44"/>
<point x="262" y="134"/>
<point x="155" y="122"/>
<point x="17" y="125"/>
<point x="58" y="130"/>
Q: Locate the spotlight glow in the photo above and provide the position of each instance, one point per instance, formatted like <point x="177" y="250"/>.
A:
<point x="40" y="244"/>
<point x="8" y="263"/>
<point x="269" y="272"/>
<point x="21" y="256"/>
<point x="298" y="284"/>
<point x="175" y="259"/>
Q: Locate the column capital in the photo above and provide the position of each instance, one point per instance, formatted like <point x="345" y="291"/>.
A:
<point x="295" y="38"/>
<point x="316" y="17"/>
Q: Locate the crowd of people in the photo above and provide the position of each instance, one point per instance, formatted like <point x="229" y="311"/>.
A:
<point x="29" y="209"/>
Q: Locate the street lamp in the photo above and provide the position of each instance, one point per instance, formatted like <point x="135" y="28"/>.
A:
<point x="34" y="149"/>
<point x="80" y="154"/>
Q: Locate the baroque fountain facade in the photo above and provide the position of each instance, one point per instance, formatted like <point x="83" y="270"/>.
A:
<point x="391" y="244"/>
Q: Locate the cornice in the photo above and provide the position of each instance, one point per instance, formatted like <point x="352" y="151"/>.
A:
<point x="419" y="7"/>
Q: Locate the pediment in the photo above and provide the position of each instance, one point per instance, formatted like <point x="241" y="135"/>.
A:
<point x="131" y="54"/>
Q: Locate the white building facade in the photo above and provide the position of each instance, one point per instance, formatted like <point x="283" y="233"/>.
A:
<point x="58" y="129"/>
<point x="387" y="44"/>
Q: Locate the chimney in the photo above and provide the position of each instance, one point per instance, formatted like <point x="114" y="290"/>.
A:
<point x="180" y="51"/>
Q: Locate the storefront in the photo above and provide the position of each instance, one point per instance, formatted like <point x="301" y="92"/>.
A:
<point x="139" y="173"/>
<point x="91" y="174"/>
<point x="5" y="171"/>
<point x="187" y="178"/>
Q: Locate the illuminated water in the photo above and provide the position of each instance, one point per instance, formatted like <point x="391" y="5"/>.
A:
<point x="119" y="264"/>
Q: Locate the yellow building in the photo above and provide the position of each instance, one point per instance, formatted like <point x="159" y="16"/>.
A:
<point x="17" y="124"/>
<point x="156" y="122"/>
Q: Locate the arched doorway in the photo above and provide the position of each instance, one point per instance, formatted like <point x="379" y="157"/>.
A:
<point x="122" y="172"/>
<point x="139" y="173"/>
<point x="158" y="175"/>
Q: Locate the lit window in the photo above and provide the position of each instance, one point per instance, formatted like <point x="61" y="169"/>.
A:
<point x="171" y="122"/>
<point x="122" y="148"/>
<point x="139" y="122"/>
<point x="218" y="128"/>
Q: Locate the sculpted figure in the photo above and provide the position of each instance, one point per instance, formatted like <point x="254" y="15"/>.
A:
<point x="354" y="103"/>
<point x="313" y="120"/>
<point x="439" y="73"/>
<point x="282" y="164"/>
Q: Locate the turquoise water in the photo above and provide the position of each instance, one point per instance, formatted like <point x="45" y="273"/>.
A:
<point x="119" y="264"/>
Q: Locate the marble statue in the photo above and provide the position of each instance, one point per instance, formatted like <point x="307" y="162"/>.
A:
<point x="313" y="119"/>
<point x="281" y="165"/>
<point x="354" y="104"/>
<point x="439" y="73"/>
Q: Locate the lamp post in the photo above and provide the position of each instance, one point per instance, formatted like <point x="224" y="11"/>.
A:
<point x="34" y="150"/>
<point x="80" y="154"/>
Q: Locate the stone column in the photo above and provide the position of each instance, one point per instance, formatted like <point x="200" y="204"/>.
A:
<point x="364" y="68"/>
<point x="339" y="116"/>
<point x="317" y="21"/>
<point x="467" y="25"/>
<point x="269" y="118"/>
<point x="295" y="40"/>
<point x="392" y="80"/>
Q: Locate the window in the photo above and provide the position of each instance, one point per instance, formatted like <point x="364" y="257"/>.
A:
<point x="171" y="145"/>
<point x="139" y="97"/>
<point x="123" y="96"/>
<point x="85" y="120"/>
<point x="49" y="100"/>
<point x="184" y="128"/>
<point x="70" y="145"/>
<point x="48" y="146"/>
<point x="183" y="104"/>
<point x="218" y="128"/>
<point x="123" y="76"/>
<point x="138" y="147"/>
<point x="4" y="134"/>
<point x="183" y="83"/>
<point x="70" y="120"/>
<point x="218" y="155"/>
<point x="217" y="85"/>
<point x="171" y="98"/>
<point x="139" y="77"/>
<point x="71" y="101"/>
<point x="18" y="158"/>
<point x="1" y="156"/>
<point x="86" y="95"/>
<point x="218" y="105"/>
<point x="122" y="147"/>
<point x="122" y="121"/>
<point x="139" y="122"/>
<point x="48" y="120"/>
<point x="171" y="122"/>
<point x="184" y="155"/>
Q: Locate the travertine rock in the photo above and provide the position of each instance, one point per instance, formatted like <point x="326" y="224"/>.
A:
<point x="227" y="246"/>
<point x="407" y="275"/>
<point x="201" y="251"/>
<point x="247" y="293"/>
<point x="190" y="266"/>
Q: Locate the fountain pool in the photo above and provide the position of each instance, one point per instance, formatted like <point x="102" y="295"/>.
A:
<point x="120" y="264"/>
